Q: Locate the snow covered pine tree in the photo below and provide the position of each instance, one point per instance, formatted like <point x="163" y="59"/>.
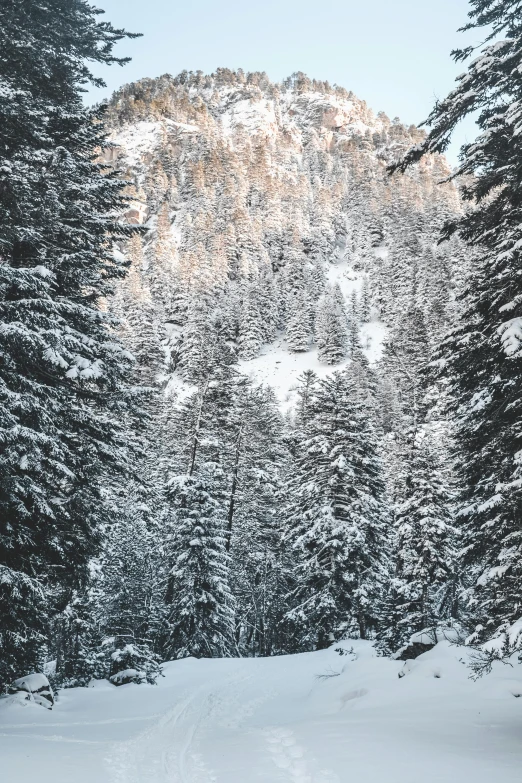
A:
<point x="201" y="617"/>
<point x="482" y="357"/>
<point x="422" y="551"/>
<point x="337" y="519"/>
<point x="62" y="373"/>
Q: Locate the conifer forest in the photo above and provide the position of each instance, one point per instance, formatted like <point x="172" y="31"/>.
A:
<point x="260" y="373"/>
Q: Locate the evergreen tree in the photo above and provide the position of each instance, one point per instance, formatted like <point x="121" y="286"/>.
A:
<point x="201" y="607"/>
<point x="62" y="376"/>
<point x="330" y="330"/>
<point x="365" y="302"/>
<point x="337" y="519"/>
<point x="267" y="303"/>
<point x="298" y="328"/>
<point x="131" y="661"/>
<point x="77" y="639"/>
<point x="306" y="384"/>
<point x="196" y="345"/>
<point x="482" y="358"/>
<point x="258" y="574"/>
<point x="423" y="552"/>
<point x="130" y="602"/>
<point x="250" y="327"/>
<point x="112" y="625"/>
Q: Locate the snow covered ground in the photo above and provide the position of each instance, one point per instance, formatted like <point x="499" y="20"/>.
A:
<point x="312" y="718"/>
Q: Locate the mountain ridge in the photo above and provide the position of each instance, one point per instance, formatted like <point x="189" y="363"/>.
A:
<point x="299" y="167"/>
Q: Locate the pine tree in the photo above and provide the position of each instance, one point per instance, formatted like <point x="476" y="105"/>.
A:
<point x="482" y="358"/>
<point x="258" y="575"/>
<point x="138" y="326"/>
<point x="201" y="616"/>
<point x="336" y="524"/>
<point x="306" y="384"/>
<point x="298" y="328"/>
<point x="77" y="639"/>
<point x="130" y="602"/>
<point x="424" y="554"/>
<point x="365" y="302"/>
<point x="267" y="303"/>
<point x="330" y="330"/>
<point x="62" y="377"/>
<point x="196" y="344"/>
<point x="250" y="326"/>
<point x="131" y="661"/>
<point x="406" y="355"/>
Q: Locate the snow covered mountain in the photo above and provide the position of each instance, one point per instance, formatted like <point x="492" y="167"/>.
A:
<point x="283" y="302"/>
<point x="247" y="185"/>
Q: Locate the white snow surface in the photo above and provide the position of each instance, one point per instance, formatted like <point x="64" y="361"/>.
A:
<point x="140" y="138"/>
<point x="31" y="682"/>
<point x="280" y="369"/>
<point x="311" y="718"/>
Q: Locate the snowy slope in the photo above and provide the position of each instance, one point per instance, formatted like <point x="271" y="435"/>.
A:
<point x="278" y="720"/>
<point x="280" y="369"/>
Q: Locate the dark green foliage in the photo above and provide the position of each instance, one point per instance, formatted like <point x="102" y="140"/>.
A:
<point x="482" y="359"/>
<point x="62" y="372"/>
<point x="131" y="661"/>
<point x="201" y="608"/>
<point x="330" y="329"/>
<point x="422" y="552"/>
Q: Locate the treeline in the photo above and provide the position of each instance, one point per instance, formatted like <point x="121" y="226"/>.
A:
<point x="268" y="536"/>
<point x="155" y="502"/>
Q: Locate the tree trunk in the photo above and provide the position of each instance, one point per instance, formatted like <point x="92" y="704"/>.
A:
<point x="233" y="490"/>
<point x="195" y="440"/>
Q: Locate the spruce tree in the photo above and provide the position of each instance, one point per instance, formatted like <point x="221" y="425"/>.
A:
<point x="330" y="329"/>
<point x="258" y="574"/>
<point x="196" y="345"/>
<point x="482" y="357"/>
<point x="423" y="551"/>
<point x="62" y="376"/>
<point x="201" y="608"/>
<point x="250" y="326"/>
<point x="109" y="630"/>
<point x="129" y="604"/>
<point x="77" y="639"/>
<point x="337" y="519"/>
<point x="298" y="327"/>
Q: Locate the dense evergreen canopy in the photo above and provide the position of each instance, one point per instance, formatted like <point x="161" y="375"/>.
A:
<point x="62" y="371"/>
<point x="482" y="358"/>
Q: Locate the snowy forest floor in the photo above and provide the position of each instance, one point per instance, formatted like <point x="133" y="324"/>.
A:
<point x="278" y="720"/>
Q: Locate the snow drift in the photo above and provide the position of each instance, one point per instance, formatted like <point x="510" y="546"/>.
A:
<point x="333" y="716"/>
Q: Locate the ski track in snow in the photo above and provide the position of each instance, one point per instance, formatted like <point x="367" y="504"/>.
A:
<point x="167" y="752"/>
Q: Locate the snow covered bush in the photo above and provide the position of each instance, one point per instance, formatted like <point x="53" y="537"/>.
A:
<point x="132" y="661"/>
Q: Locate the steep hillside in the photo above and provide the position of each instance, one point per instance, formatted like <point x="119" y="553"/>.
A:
<point x="257" y="196"/>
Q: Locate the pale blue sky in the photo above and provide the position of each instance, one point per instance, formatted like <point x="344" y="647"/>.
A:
<point x="393" y="54"/>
